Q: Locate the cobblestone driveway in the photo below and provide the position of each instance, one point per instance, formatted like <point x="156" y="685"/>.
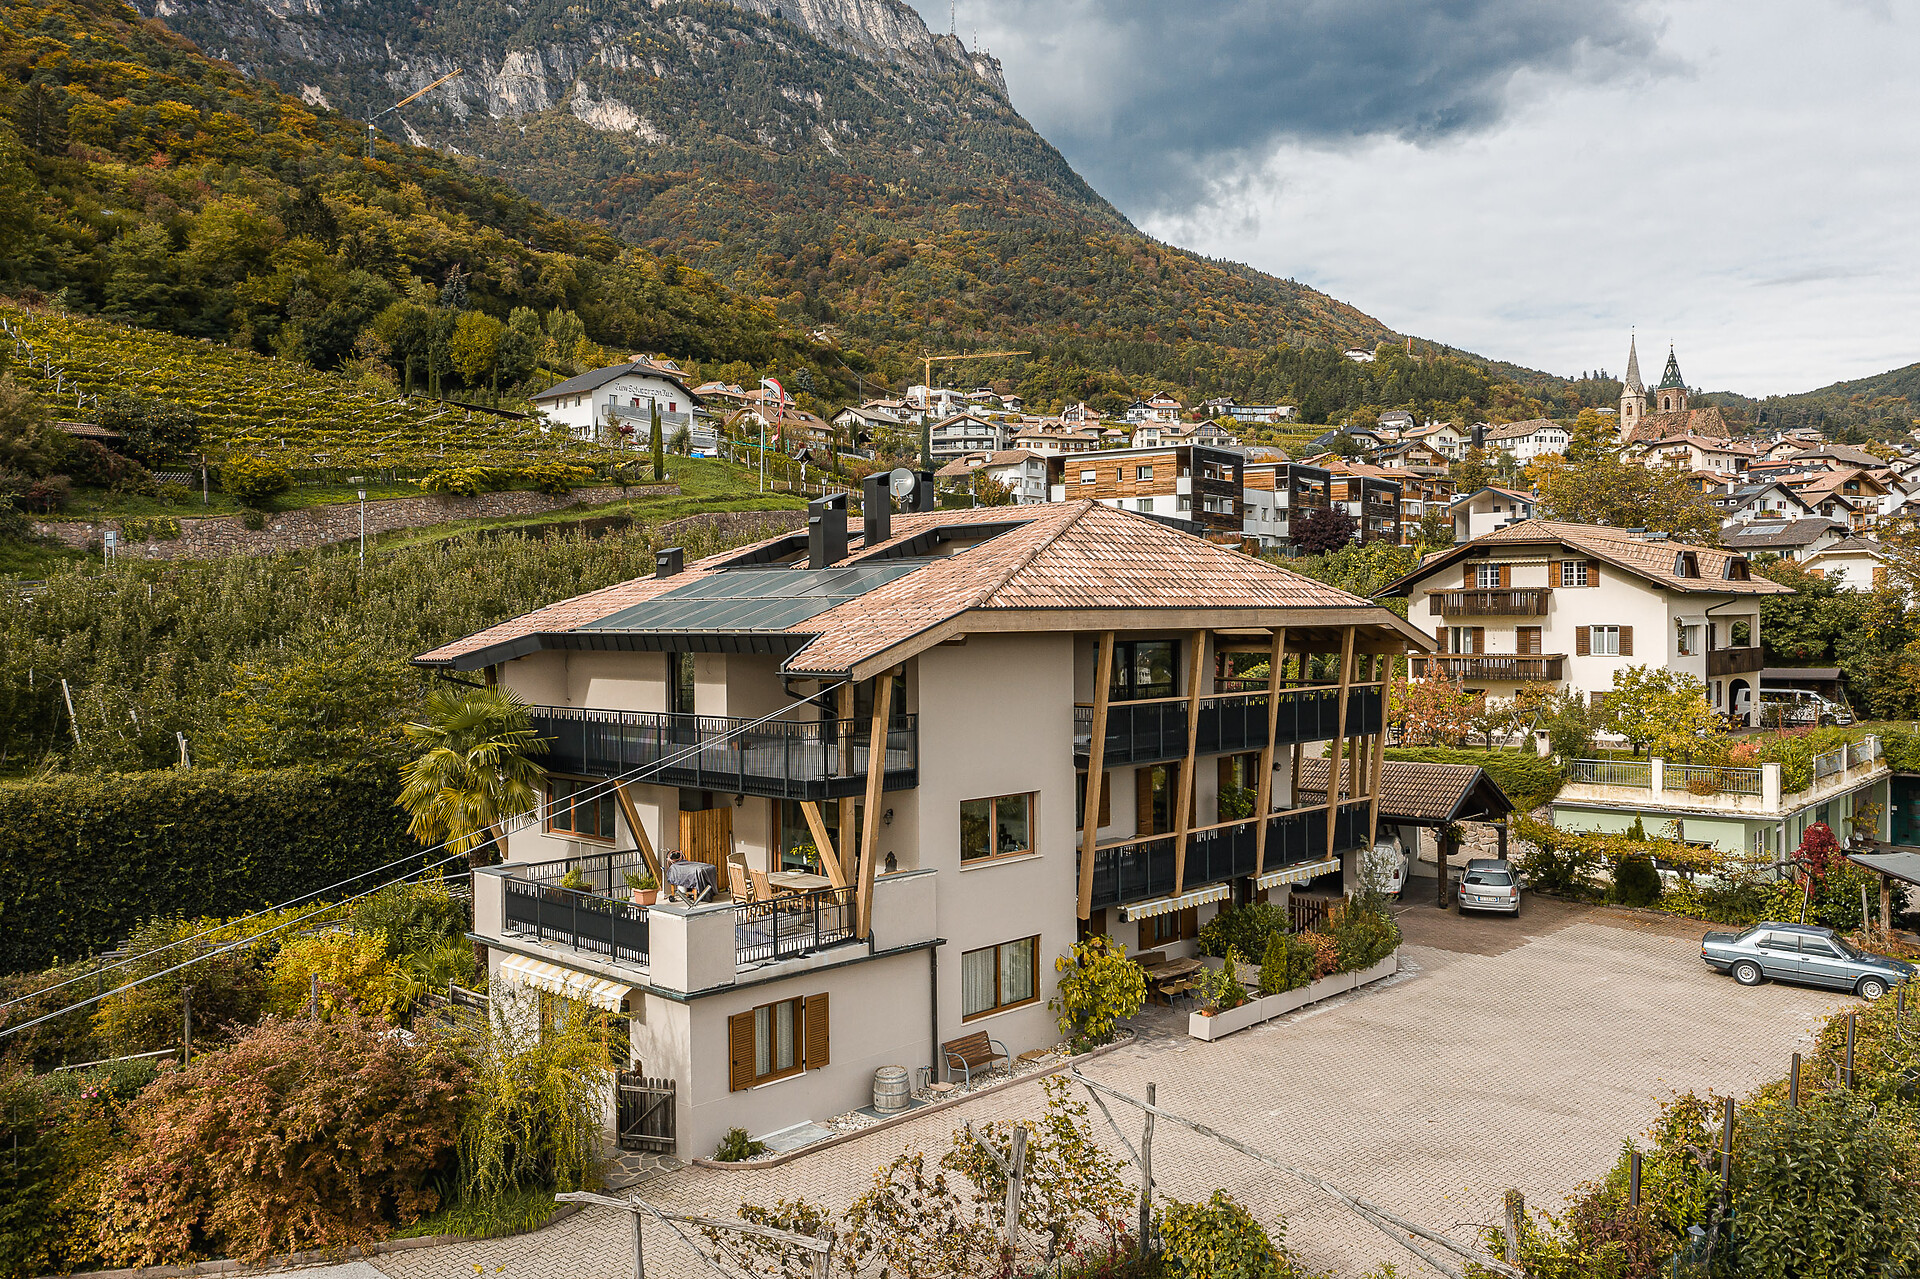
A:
<point x="1520" y="1053"/>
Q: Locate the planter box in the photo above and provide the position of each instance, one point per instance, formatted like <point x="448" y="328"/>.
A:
<point x="1255" y="1011"/>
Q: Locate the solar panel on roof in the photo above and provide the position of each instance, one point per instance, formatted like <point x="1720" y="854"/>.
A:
<point x="753" y="599"/>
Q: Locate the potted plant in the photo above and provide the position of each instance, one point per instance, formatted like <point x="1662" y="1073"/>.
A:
<point x="808" y="854"/>
<point x="646" y="890"/>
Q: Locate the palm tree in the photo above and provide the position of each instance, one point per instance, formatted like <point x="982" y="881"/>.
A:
<point x="473" y="772"/>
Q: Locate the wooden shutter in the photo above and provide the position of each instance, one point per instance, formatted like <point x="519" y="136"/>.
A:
<point x="1472" y="577"/>
<point x="1506" y="576"/>
<point x="1582" y="641"/>
<point x="1593" y="572"/>
<point x="740" y="1052"/>
<point x="1529" y="640"/>
<point x="1479" y="639"/>
<point x="1143" y="801"/>
<point x="1626" y="641"/>
<point x="813" y="1012"/>
<point x="1446" y="633"/>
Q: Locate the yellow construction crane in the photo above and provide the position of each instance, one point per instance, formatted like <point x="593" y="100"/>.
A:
<point x="403" y="102"/>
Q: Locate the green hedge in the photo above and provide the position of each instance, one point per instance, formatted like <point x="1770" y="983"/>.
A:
<point x="1529" y="780"/>
<point x="84" y="857"/>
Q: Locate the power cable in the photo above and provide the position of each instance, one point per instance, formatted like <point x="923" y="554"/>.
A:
<point x="518" y="821"/>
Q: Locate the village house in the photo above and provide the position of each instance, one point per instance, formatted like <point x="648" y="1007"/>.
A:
<point x="1277" y="494"/>
<point x="1793" y="538"/>
<point x="954" y="437"/>
<point x="1021" y="473"/>
<point x="1769" y="500"/>
<point x="1527" y="440"/>
<point x="1047" y="440"/>
<point x="1486" y="510"/>
<point x="1193" y="483"/>
<point x="1570" y="604"/>
<point x="911" y="764"/>
<point x="596" y="404"/>
<point x="1855" y="564"/>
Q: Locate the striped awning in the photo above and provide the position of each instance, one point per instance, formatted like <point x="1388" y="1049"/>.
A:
<point x="1296" y="874"/>
<point x="538" y="973"/>
<point x="1167" y="905"/>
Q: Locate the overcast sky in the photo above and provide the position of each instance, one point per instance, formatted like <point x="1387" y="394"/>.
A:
<point x="1522" y="179"/>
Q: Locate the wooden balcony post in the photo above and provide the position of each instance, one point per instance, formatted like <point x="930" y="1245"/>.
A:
<point x="876" y="778"/>
<point x="1384" y="672"/>
<point x="629" y="811"/>
<point x="823" y="840"/>
<point x="1096" y="771"/>
<point x="1335" y="761"/>
<point x="1264" y="791"/>
<point x="1183" y="806"/>
<point x="844" y="730"/>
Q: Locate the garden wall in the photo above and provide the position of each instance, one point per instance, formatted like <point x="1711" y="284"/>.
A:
<point x="87" y="856"/>
<point x="304" y="530"/>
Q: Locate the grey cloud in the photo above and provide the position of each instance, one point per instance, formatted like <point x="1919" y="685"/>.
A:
<point x="1158" y="103"/>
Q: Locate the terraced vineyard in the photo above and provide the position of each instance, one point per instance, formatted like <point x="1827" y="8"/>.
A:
<point x="318" y="424"/>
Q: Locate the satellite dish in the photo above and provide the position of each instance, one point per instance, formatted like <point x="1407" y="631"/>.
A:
<point x="901" y="482"/>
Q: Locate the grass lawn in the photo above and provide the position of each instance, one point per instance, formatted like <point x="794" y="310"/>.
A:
<point x="34" y="560"/>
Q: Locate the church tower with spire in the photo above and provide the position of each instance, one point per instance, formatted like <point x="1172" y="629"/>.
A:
<point x="1671" y="394"/>
<point x="1633" y="393"/>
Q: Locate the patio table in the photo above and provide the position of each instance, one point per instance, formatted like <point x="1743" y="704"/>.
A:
<point x="798" y="881"/>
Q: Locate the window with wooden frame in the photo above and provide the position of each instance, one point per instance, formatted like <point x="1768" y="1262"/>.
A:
<point x="1106" y="802"/>
<point x="1492" y="577"/>
<point x="1603" y="641"/>
<point x="997" y="827"/>
<point x="1155" y="791"/>
<point x="996" y="978"/>
<point x="777" y="1041"/>
<point x="573" y="811"/>
<point x="1174" y="926"/>
<point x="1526" y="640"/>
<point x="1463" y="639"/>
<point x="1575" y="573"/>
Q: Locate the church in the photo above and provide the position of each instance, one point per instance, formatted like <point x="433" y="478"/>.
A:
<point x="1647" y="417"/>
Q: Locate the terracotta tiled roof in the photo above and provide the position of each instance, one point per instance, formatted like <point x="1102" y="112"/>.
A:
<point x="1520" y="430"/>
<point x="1420" y="791"/>
<point x="1073" y="555"/>
<point x="1653" y="560"/>
<point x="1661" y="426"/>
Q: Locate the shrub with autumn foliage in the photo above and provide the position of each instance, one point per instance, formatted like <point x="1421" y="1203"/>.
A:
<point x="300" y="1134"/>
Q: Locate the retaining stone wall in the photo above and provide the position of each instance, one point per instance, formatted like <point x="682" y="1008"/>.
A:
<point x="212" y="536"/>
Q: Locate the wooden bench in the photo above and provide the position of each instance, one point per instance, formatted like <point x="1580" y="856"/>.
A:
<point x="974" y="1052"/>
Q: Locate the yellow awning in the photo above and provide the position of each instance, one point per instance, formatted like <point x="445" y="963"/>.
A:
<point x="1167" y="905"/>
<point x="1296" y="874"/>
<point x="538" y="973"/>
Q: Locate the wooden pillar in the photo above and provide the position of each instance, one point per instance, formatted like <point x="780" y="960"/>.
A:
<point x="1263" y="797"/>
<point x="823" y="840"/>
<point x="1886" y="901"/>
<point x="1096" y="771"/>
<point x="876" y="777"/>
<point x="1334" y="761"/>
<point x="629" y="811"/>
<point x="1382" y="668"/>
<point x="849" y="844"/>
<point x="1500" y="833"/>
<point x="1442" y="840"/>
<point x="1183" y="807"/>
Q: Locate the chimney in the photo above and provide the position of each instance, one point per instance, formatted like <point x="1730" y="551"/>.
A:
<point x="826" y="530"/>
<point x="669" y="562"/>
<point x="876" y="508"/>
<point x="1479" y="435"/>
<point x="923" y="498"/>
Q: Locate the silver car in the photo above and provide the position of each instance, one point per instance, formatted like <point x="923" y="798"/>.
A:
<point x="1490" y="884"/>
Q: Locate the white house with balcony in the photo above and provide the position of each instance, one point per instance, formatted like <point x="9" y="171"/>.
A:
<point x="594" y="405"/>
<point x="909" y="764"/>
<point x="1571" y="604"/>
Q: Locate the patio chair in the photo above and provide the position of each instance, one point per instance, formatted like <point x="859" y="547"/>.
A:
<point x="739" y="878"/>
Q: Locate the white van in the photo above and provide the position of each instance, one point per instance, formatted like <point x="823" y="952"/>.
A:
<point x="1387" y="864"/>
<point x="1800" y="706"/>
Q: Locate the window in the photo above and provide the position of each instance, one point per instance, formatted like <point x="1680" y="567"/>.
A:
<point x="1143" y="472"/>
<point x="680" y="683"/>
<point x="776" y="1041"/>
<point x="998" y="827"/>
<point x="1174" y="926"/>
<point x="1487" y="577"/>
<point x="1605" y="642"/>
<point x="1573" y="573"/>
<point x="1155" y="790"/>
<point x="1687" y="638"/>
<point x="997" y="978"/>
<point x="1142" y="669"/>
<point x="588" y="818"/>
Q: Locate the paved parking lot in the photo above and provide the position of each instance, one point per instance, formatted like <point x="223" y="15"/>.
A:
<point x="1512" y="1053"/>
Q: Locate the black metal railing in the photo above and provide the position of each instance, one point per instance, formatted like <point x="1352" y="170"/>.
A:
<point x="584" y="921"/>
<point x="794" y="924"/>
<point x="604" y="873"/>
<point x="1150" y="732"/>
<point x="806" y="759"/>
<point x="1141" y="869"/>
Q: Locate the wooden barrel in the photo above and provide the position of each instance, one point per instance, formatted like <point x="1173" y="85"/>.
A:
<point x="891" y="1092"/>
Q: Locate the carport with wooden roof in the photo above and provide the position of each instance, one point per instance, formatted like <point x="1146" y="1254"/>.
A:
<point x="1437" y="796"/>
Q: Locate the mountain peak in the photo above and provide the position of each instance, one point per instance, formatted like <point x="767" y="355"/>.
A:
<point x="882" y="31"/>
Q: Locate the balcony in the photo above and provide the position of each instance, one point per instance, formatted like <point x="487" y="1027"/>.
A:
<point x="1136" y="870"/>
<point x="814" y="759"/>
<point x="1489" y="666"/>
<point x="1734" y="661"/>
<point x="1154" y="731"/>
<point x="1491" y="603"/>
